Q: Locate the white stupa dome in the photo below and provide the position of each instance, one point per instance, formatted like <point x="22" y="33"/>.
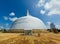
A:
<point x="28" y="23"/>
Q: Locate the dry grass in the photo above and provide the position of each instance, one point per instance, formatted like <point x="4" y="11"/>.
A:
<point x="16" y="38"/>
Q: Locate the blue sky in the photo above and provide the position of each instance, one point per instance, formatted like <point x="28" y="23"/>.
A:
<point x="46" y="10"/>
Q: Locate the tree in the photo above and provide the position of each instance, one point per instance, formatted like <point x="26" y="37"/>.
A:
<point x="53" y="28"/>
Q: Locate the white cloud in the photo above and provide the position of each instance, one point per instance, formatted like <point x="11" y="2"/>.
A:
<point x="42" y="12"/>
<point x="1" y="27"/>
<point x="9" y="18"/>
<point x="53" y="6"/>
<point x="54" y="12"/>
<point x="5" y="18"/>
<point x="6" y="26"/>
<point x="48" y="23"/>
<point x="13" y="19"/>
<point x="58" y="26"/>
<point x="47" y="6"/>
<point x="12" y="14"/>
<point x="40" y="3"/>
<point x="48" y="26"/>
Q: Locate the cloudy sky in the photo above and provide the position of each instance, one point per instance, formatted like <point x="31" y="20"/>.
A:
<point x="46" y="10"/>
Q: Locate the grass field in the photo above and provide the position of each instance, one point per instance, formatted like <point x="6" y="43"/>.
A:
<point x="16" y="38"/>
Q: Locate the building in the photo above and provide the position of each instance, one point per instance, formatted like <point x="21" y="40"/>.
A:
<point x="28" y="23"/>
